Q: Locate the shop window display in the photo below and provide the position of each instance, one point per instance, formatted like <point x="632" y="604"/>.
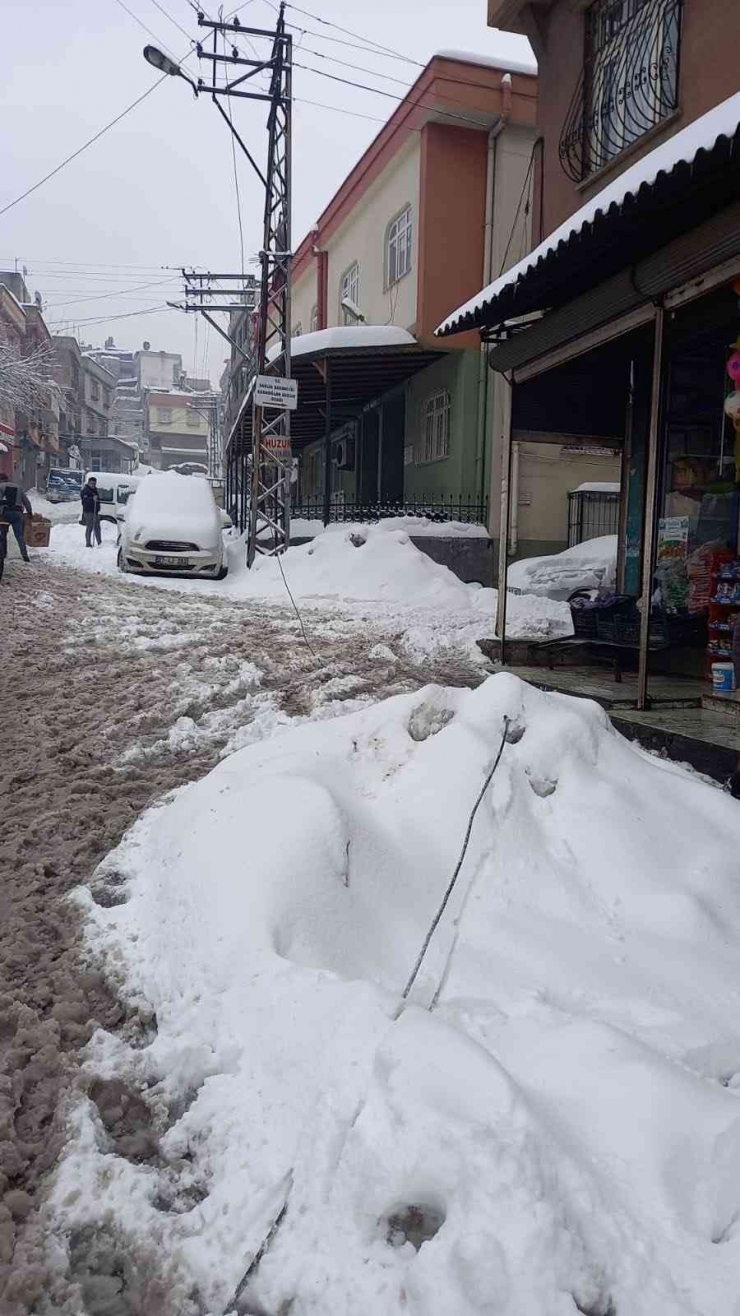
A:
<point x="697" y="570"/>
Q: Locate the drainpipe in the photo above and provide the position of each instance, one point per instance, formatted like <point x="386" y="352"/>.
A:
<point x="494" y="134"/>
<point x="322" y="269"/>
<point x="514" y="514"/>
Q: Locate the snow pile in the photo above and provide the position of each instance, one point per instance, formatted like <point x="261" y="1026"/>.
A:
<point x="345" y="566"/>
<point x="560" y="1132"/>
<point x="54" y="512"/>
<point x="590" y="565"/>
<point x="415" y="526"/>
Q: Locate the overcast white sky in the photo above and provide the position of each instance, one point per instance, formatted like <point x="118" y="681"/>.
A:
<point x="157" y="190"/>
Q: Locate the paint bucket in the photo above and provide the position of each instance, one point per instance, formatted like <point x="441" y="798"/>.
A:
<point x="723" y="677"/>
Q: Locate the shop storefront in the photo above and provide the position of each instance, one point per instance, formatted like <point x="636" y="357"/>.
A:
<point x="624" y="329"/>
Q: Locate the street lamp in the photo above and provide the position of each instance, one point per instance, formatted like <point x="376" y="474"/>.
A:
<point x="164" y="64"/>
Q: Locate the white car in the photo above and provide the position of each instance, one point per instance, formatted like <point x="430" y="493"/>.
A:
<point x="172" y="524"/>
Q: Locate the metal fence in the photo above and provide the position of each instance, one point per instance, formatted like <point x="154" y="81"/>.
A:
<point x="435" y="508"/>
<point x="591" y="514"/>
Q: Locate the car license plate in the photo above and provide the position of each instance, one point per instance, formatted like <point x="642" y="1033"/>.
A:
<point x="171" y="562"/>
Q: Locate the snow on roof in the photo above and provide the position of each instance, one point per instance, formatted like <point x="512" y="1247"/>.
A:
<point x="599" y="486"/>
<point x="502" y="62"/>
<point x="722" y="121"/>
<point x="349" y="335"/>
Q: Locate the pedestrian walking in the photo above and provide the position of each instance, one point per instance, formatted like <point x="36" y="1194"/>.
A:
<point x="13" y="503"/>
<point x="91" y="511"/>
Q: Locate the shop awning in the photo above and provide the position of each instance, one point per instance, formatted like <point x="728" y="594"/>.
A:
<point x="668" y="192"/>
<point x="365" y="361"/>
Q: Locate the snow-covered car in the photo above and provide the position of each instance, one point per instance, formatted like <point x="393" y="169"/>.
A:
<point x="172" y="524"/>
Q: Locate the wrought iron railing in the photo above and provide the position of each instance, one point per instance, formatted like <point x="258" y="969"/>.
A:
<point x="591" y="514"/>
<point x="629" y="81"/>
<point x="437" y="508"/>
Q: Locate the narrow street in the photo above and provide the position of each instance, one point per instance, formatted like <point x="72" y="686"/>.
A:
<point x="120" y="694"/>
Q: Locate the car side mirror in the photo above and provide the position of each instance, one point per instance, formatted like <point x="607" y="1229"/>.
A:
<point x="226" y="521"/>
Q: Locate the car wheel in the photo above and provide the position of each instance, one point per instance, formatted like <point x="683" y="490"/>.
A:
<point x="120" y="561"/>
<point x="223" y="573"/>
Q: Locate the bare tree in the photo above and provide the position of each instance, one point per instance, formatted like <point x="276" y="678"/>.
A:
<point x="27" y="382"/>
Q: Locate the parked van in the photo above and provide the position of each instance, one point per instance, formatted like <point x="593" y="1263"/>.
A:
<point x="115" y="491"/>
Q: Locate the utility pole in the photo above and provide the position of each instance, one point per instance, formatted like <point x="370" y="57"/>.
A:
<point x="268" y="513"/>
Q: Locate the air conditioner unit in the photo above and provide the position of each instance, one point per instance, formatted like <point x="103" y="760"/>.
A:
<point x="344" y="454"/>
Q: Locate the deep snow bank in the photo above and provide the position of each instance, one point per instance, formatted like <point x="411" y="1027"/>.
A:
<point x="347" y="564"/>
<point x="585" y="566"/>
<point x="565" y="1119"/>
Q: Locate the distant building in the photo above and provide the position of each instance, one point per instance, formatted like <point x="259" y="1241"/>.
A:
<point x="30" y="438"/>
<point x="99" y="390"/>
<point x="177" y="430"/>
<point x="109" y="454"/>
<point x="69" y="375"/>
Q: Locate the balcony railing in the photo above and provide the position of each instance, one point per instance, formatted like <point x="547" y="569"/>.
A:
<point x="629" y="82"/>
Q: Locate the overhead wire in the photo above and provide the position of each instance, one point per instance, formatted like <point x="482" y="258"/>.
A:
<point x="384" y="50"/>
<point x="68" y="160"/>
<point x="122" y="5"/>
<point x="389" y="95"/>
<point x="127" y="315"/>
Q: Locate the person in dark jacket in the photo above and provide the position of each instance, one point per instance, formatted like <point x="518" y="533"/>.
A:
<point x="13" y="503"/>
<point x="91" y="510"/>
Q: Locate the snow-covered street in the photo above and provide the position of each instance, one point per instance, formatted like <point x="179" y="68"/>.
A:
<point x="222" y="874"/>
<point x="119" y="694"/>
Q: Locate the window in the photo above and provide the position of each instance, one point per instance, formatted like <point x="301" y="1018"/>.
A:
<point x="398" y="250"/>
<point x="629" y="81"/>
<point x="350" y="291"/>
<point x="193" y="417"/>
<point x="95" y="464"/>
<point x="164" y="415"/>
<point x="94" y="391"/>
<point x="106" y="397"/>
<point x="314" y="319"/>
<point x="437" y="426"/>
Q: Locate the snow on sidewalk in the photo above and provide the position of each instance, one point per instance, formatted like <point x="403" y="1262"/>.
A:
<point x="560" y="1134"/>
<point x="348" y="566"/>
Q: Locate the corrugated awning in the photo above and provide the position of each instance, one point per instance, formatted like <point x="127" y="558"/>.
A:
<point x="668" y="192"/>
<point x="360" y="375"/>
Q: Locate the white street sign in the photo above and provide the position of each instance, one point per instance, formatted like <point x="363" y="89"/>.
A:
<point x="274" y="391"/>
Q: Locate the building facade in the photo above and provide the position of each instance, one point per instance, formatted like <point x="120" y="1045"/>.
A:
<point x="177" y="429"/>
<point x="623" y="325"/>
<point x="428" y="210"/>
<point x="99" y="385"/>
<point x="30" y="437"/>
<point x="615" y="80"/>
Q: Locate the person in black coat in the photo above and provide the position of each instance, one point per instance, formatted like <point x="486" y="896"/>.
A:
<point x="13" y="503"/>
<point x="91" y="510"/>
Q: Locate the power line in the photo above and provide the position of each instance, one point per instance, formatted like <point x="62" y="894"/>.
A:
<point x="167" y="14"/>
<point x="97" y="265"/>
<point x="384" y="50"/>
<point x="339" y="109"/>
<point x="127" y="315"/>
<point x="390" y="95"/>
<point x="143" y="25"/>
<point x="99" y="296"/>
<point x="358" y="68"/>
<point x="85" y="145"/>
